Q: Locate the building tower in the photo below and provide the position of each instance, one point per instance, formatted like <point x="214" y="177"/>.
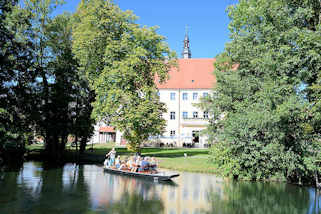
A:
<point x="186" y="54"/>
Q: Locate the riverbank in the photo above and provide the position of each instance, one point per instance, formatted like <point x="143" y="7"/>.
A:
<point x="178" y="159"/>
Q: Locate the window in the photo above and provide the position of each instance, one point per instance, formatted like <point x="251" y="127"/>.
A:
<point x="195" y="95"/>
<point x="205" y="94"/>
<point x="172" y="133"/>
<point x="215" y="94"/>
<point x="172" y="96"/>
<point x="195" y="114"/>
<point x="158" y="94"/>
<point x="184" y="96"/>
<point x="172" y="116"/>
<point x="185" y="115"/>
<point x="205" y="114"/>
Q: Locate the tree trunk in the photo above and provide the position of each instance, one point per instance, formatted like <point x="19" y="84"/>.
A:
<point x="320" y="14"/>
<point x="51" y="148"/>
<point x="83" y="143"/>
<point x="317" y="184"/>
<point x="63" y="142"/>
<point x="1" y="158"/>
<point x="77" y="154"/>
<point x="138" y="149"/>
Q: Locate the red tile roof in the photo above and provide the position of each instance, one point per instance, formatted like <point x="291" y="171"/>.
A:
<point x="192" y="74"/>
<point x="106" y="129"/>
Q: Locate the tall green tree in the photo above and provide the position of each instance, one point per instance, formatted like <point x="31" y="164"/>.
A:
<point x="69" y="93"/>
<point x="41" y="90"/>
<point x="262" y="110"/>
<point x="49" y="104"/>
<point x="121" y="60"/>
<point x="61" y="96"/>
<point x="16" y="74"/>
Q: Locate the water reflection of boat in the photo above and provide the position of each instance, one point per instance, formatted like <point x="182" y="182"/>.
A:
<point x="159" y="176"/>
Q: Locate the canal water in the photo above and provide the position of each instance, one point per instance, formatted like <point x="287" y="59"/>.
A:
<point x="74" y="189"/>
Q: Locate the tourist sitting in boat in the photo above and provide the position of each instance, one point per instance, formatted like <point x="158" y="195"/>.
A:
<point x="136" y="165"/>
<point x="153" y="165"/>
<point x="117" y="162"/>
<point x="130" y="163"/>
<point x="144" y="165"/>
<point x="123" y="166"/>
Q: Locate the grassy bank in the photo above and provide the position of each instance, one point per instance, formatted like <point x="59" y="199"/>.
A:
<point x="169" y="158"/>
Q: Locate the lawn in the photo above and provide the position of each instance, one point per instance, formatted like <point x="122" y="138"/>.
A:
<point x="196" y="160"/>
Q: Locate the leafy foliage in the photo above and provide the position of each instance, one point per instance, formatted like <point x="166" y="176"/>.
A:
<point x="121" y="59"/>
<point x="69" y="94"/>
<point x="41" y="90"/>
<point x="63" y="96"/>
<point x="263" y="104"/>
<point x="15" y="73"/>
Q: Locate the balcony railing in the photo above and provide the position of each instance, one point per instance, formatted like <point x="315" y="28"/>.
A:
<point x="196" y="118"/>
<point x="201" y="122"/>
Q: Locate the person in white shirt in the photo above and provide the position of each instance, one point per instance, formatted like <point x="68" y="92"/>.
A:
<point x="111" y="155"/>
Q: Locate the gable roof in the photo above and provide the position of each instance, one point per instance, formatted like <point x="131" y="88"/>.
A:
<point x="192" y="74"/>
<point x="107" y="129"/>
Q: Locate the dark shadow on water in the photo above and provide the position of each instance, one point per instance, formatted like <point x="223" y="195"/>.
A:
<point x="37" y="191"/>
<point x="12" y="166"/>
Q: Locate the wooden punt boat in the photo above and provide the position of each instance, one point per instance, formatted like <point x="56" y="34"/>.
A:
<point x="159" y="176"/>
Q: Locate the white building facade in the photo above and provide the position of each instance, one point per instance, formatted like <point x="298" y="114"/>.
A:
<point x="187" y="84"/>
<point x="181" y="94"/>
<point x="184" y="120"/>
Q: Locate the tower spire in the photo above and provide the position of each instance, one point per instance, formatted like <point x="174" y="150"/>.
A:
<point x="186" y="54"/>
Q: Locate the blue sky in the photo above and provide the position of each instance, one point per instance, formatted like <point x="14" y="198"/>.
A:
<point x="207" y="21"/>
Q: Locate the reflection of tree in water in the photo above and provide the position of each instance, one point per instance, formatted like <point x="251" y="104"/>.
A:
<point x="261" y="198"/>
<point x="47" y="196"/>
<point x="132" y="203"/>
<point x="55" y="197"/>
<point x="137" y="196"/>
<point x="9" y="191"/>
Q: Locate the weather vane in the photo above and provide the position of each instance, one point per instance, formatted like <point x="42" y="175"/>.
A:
<point x="186" y="29"/>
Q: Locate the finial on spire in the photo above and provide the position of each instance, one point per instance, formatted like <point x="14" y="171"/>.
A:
<point x="186" y="54"/>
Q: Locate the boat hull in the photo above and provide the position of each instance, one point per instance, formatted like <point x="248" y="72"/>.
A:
<point x="160" y="176"/>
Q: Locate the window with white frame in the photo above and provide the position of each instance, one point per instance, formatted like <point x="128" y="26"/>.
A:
<point x="195" y="114"/>
<point x="195" y="95"/>
<point x="185" y="115"/>
<point x="205" y="94"/>
<point x="172" y="115"/>
<point x="173" y="95"/>
<point x="184" y="96"/>
<point x="205" y="114"/>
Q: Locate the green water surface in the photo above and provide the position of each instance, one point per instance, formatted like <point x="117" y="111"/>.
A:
<point x="76" y="189"/>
